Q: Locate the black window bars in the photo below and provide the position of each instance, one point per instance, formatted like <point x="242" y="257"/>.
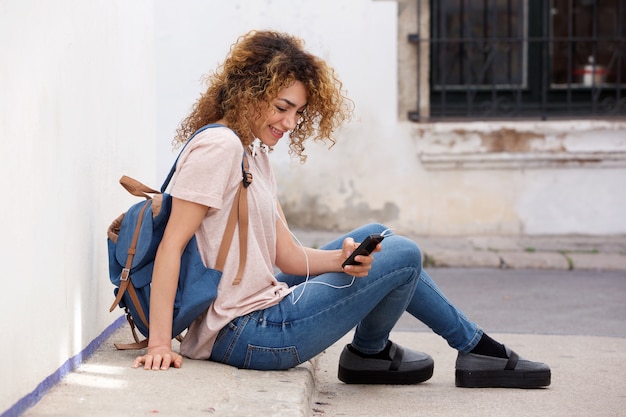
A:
<point x="503" y="59"/>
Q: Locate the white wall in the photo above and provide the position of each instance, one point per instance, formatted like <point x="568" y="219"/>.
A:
<point x="357" y="37"/>
<point x="77" y="110"/>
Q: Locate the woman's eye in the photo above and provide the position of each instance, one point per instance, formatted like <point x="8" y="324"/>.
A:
<point x="281" y="109"/>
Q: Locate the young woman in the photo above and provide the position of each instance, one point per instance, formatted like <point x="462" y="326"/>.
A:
<point x="267" y="88"/>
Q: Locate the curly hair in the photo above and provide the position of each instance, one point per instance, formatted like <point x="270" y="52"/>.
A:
<point x="259" y="65"/>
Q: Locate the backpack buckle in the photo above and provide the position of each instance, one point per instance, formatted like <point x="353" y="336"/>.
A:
<point x="125" y="274"/>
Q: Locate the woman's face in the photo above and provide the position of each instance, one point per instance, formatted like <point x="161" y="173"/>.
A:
<point x="282" y="114"/>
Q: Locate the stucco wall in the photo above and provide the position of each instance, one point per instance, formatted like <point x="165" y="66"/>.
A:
<point x="77" y="110"/>
<point x="467" y="179"/>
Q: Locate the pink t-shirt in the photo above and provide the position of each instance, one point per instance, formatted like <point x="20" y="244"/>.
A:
<point x="209" y="172"/>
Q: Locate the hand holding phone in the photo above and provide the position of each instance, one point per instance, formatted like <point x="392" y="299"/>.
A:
<point x="365" y="248"/>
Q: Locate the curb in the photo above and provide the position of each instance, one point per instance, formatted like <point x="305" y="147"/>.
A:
<point x="106" y="385"/>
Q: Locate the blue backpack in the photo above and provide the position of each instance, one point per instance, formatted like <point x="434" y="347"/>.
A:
<point x="133" y="239"/>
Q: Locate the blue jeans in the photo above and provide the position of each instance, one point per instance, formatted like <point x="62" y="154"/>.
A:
<point x="326" y="307"/>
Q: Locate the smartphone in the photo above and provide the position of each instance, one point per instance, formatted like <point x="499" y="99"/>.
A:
<point x="365" y="248"/>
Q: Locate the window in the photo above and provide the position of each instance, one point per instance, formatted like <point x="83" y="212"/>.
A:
<point x="526" y="58"/>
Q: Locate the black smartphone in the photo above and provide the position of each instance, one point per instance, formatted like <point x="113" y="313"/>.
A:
<point x="365" y="248"/>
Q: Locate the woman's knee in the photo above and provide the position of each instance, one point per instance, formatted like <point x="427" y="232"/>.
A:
<point x="412" y="251"/>
<point x="403" y="250"/>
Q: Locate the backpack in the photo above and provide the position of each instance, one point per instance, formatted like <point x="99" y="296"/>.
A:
<point x="133" y="239"/>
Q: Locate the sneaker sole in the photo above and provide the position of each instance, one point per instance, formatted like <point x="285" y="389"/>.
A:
<point x="351" y="376"/>
<point x="502" y="379"/>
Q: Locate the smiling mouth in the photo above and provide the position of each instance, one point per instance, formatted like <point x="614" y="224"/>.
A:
<point x="279" y="134"/>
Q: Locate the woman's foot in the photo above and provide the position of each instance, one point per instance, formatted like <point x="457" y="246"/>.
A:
<point x="482" y="371"/>
<point x="400" y="366"/>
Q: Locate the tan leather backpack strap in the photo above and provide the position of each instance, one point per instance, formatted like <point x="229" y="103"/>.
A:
<point x="135" y="300"/>
<point x="229" y="231"/>
<point x="132" y="249"/>
<point x="243" y="233"/>
<point x="131" y="346"/>
<point x="242" y="207"/>
<point x="126" y="285"/>
<point x="139" y="344"/>
<point x="238" y="214"/>
<point x="136" y="188"/>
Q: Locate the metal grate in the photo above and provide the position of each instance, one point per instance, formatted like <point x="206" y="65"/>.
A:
<point x="502" y="59"/>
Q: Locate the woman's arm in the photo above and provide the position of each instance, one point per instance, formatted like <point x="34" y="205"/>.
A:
<point x="291" y="259"/>
<point x="184" y="221"/>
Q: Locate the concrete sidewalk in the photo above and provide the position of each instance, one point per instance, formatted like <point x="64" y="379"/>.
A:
<point x="587" y="371"/>
<point x="587" y="380"/>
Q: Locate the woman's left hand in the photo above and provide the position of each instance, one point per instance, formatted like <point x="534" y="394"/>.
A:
<point x="159" y="358"/>
<point x="349" y="246"/>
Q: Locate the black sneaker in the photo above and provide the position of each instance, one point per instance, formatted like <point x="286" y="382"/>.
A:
<point x="479" y="371"/>
<point x="405" y="367"/>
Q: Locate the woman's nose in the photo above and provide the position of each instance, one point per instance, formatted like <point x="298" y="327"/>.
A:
<point x="290" y="121"/>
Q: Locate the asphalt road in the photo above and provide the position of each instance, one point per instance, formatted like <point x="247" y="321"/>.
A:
<point x="547" y="302"/>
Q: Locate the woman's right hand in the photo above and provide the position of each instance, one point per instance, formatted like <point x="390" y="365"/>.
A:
<point x="159" y="358"/>
<point x="365" y="261"/>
